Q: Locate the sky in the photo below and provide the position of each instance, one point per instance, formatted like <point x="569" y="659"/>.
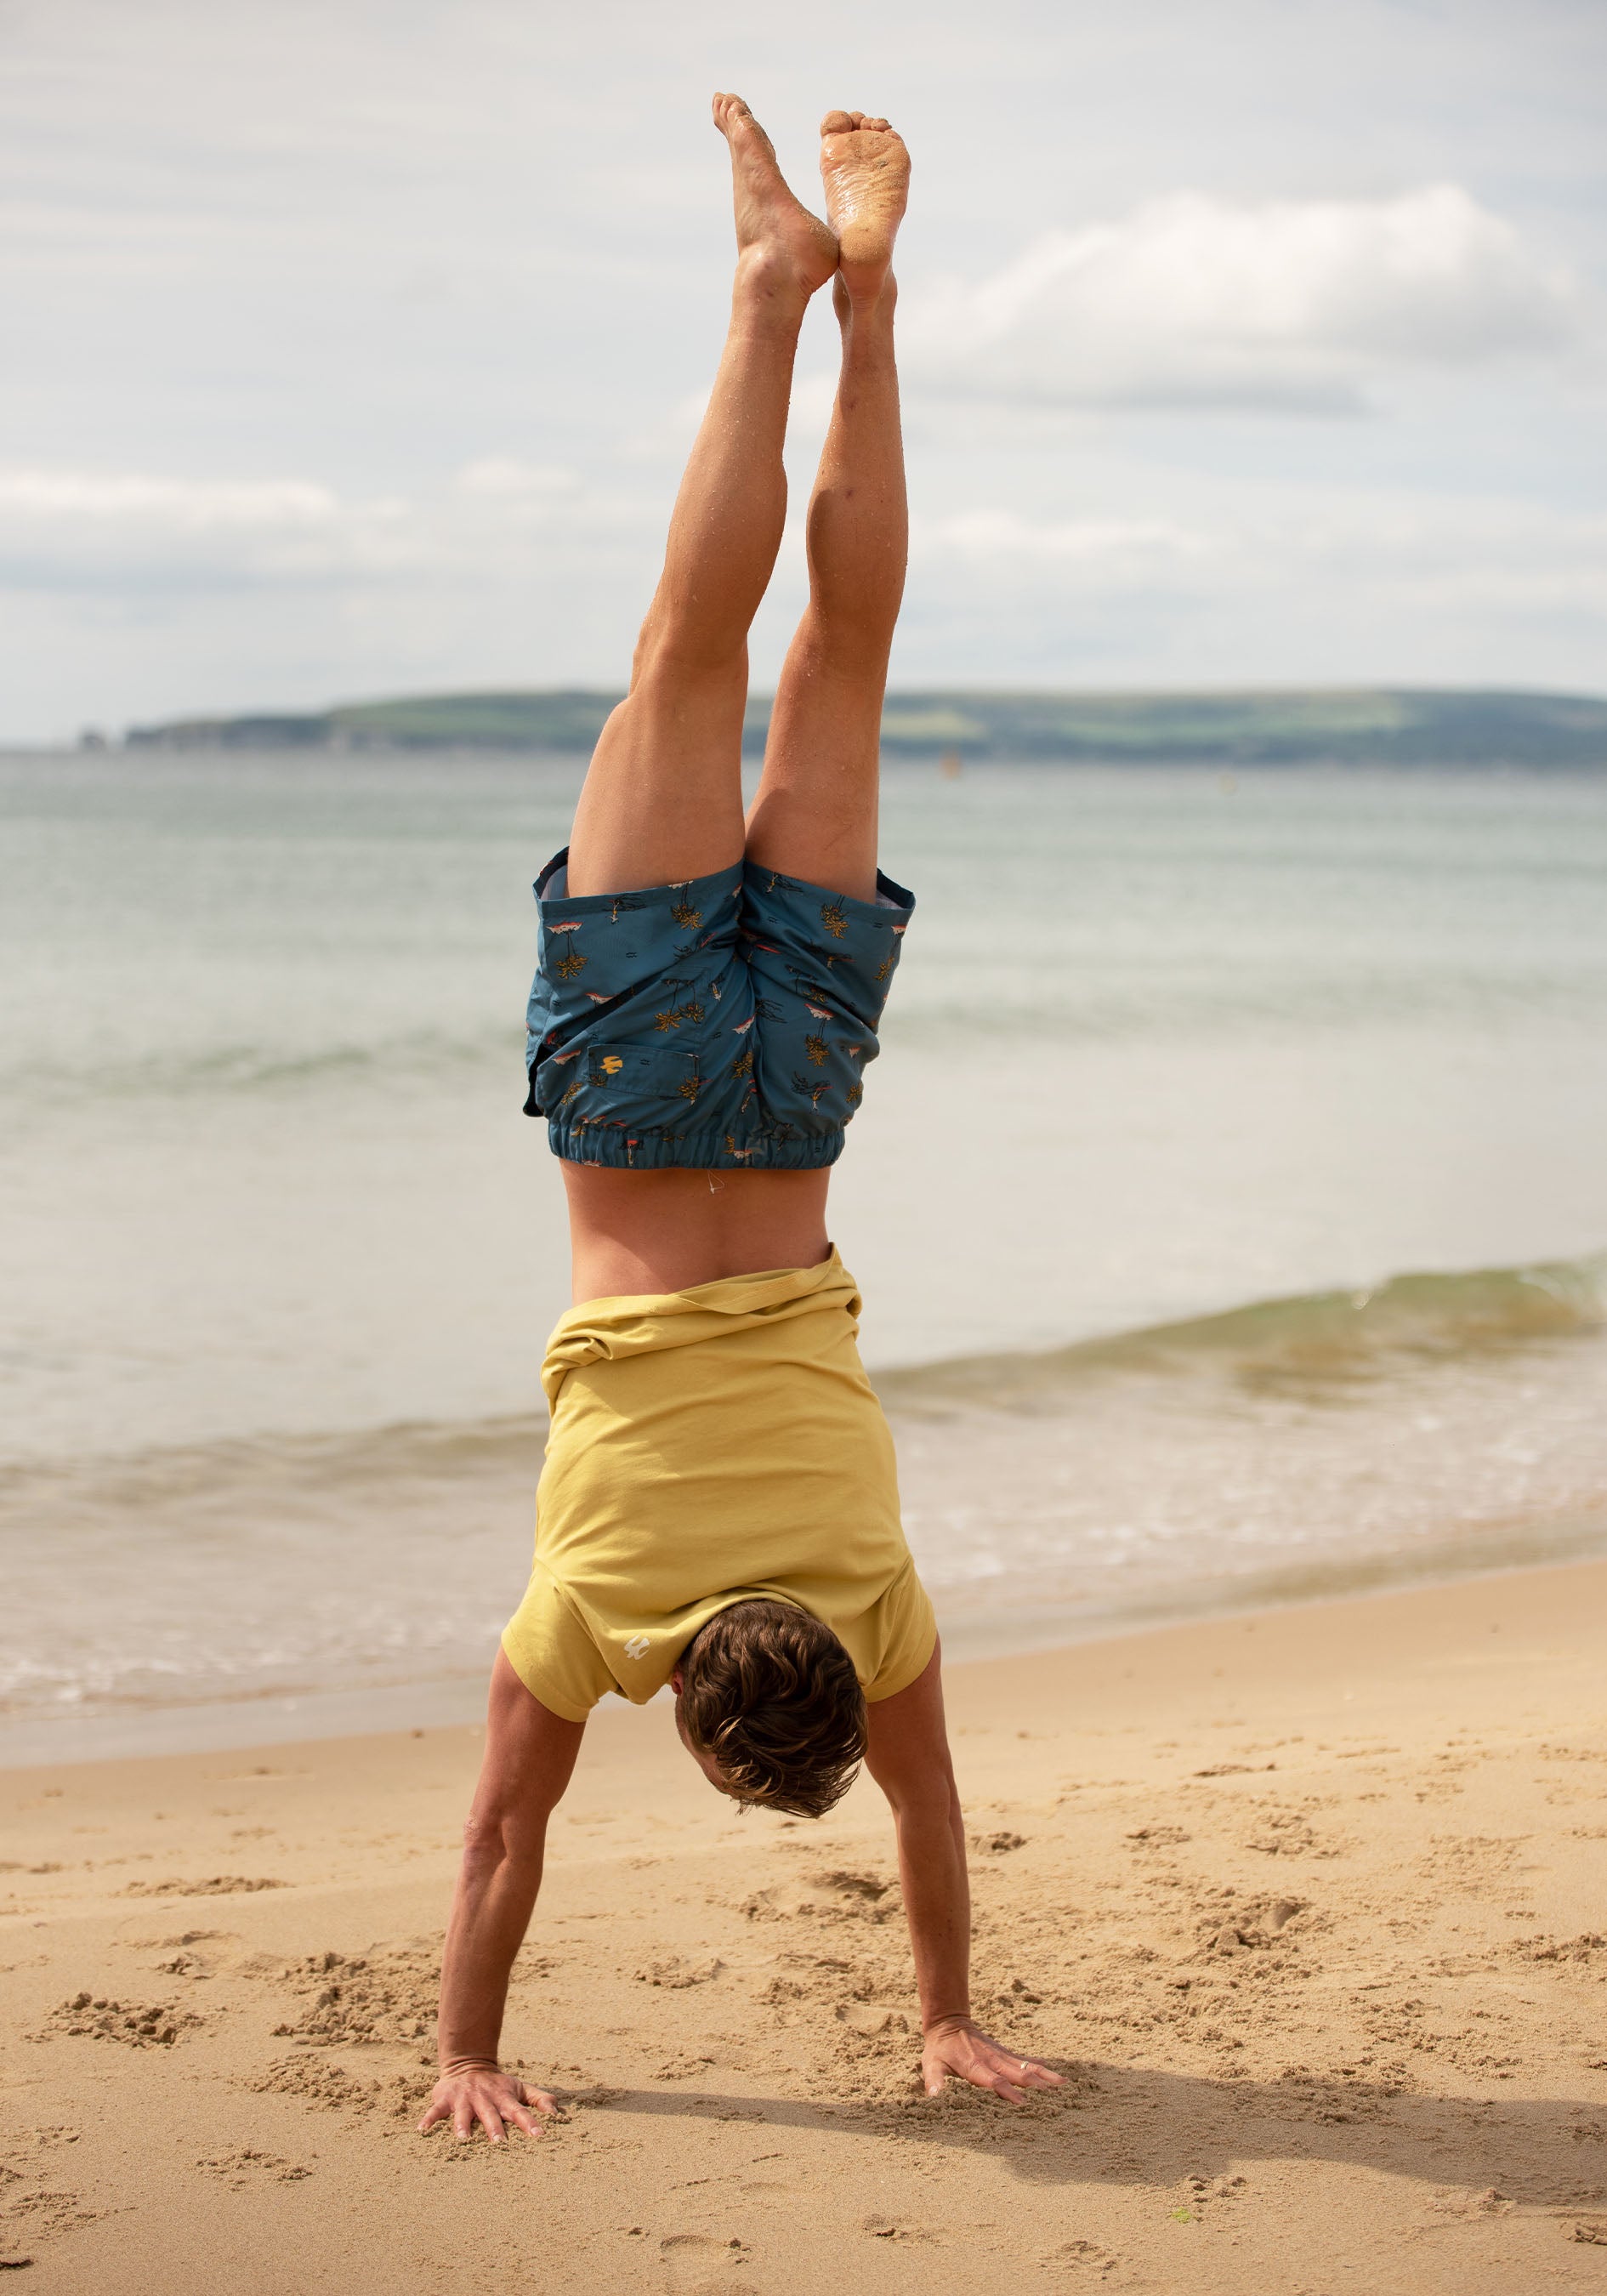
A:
<point x="352" y="349"/>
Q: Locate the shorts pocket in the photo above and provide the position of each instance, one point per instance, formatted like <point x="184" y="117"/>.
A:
<point x="637" y="1073"/>
<point x="649" y="1086"/>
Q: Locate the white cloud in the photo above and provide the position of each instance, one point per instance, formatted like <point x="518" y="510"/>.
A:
<point x="1108" y="554"/>
<point x="85" y="498"/>
<point x="64" y="528"/>
<point x="1194" y="301"/>
<point x="1414" y="553"/>
<point x="501" y="479"/>
<point x="67" y="529"/>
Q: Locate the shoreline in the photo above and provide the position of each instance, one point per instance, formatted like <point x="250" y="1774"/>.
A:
<point x="37" y="1738"/>
<point x="1303" y="1902"/>
<point x="1287" y="1449"/>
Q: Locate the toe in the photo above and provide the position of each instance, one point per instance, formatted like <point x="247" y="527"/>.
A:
<point x="836" y="123"/>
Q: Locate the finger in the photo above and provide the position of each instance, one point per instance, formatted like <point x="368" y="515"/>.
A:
<point x="1026" y="2073"/>
<point x="463" y="2123"/>
<point x="518" y="2118"/>
<point x="437" y="2111"/>
<point x="544" y="2103"/>
<point x="491" y="2121"/>
<point x="936" y="2080"/>
<point x="1033" y="2071"/>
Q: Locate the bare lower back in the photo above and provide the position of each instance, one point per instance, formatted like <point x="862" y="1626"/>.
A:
<point x="666" y="1231"/>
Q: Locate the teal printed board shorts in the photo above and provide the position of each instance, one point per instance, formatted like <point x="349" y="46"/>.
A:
<point x="725" y="1022"/>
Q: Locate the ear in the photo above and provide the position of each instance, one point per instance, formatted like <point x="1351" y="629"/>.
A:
<point x="676" y="1682"/>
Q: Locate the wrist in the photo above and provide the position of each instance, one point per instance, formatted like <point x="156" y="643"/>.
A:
<point x="945" y="2020"/>
<point x="467" y="2063"/>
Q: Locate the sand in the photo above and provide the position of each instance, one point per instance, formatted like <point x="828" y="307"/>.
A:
<point x="1307" y="1905"/>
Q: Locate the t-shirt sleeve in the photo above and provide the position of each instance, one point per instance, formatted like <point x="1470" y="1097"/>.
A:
<point x="552" y="1653"/>
<point x="908" y="1634"/>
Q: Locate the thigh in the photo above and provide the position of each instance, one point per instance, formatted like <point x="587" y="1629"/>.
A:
<point x="815" y="813"/>
<point x="662" y="800"/>
<point x="639" y="1020"/>
<point x="822" y="964"/>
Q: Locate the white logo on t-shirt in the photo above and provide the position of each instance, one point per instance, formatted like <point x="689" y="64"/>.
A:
<point x="638" y="1647"/>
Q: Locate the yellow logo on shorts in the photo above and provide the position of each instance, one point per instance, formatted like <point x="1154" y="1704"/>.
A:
<point x="612" y="1064"/>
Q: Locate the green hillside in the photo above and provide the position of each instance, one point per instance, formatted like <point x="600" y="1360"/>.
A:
<point x="1359" y="725"/>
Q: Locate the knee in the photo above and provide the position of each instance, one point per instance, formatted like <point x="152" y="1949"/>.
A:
<point x="687" y="638"/>
<point x="848" y="639"/>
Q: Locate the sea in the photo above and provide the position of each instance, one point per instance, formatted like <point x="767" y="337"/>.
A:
<point x="1229" y="1201"/>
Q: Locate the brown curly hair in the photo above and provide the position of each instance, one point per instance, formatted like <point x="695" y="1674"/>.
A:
<point x="771" y="1694"/>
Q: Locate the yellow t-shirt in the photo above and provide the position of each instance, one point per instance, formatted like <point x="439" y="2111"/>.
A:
<point x="709" y="1446"/>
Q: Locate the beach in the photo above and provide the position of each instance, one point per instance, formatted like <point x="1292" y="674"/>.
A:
<point x="1305" y="1903"/>
<point x="1229" y="1219"/>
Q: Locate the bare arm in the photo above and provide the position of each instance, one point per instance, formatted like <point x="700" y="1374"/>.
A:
<point x="908" y="1757"/>
<point x="529" y="1756"/>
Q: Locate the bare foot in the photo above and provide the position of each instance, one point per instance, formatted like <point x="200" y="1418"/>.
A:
<point x="776" y="227"/>
<point x="867" y="172"/>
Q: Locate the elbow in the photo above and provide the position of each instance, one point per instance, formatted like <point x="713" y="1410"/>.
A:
<point x="497" y="1838"/>
<point x="484" y="1840"/>
<point x="928" y="1802"/>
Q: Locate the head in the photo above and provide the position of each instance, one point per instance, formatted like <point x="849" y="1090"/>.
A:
<point x="769" y="1706"/>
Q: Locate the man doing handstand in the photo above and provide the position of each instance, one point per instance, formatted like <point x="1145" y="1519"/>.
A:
<point x="718" y="1511"/>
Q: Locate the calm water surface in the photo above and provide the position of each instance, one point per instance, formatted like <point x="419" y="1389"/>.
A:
<point x="1163" y="1044"/>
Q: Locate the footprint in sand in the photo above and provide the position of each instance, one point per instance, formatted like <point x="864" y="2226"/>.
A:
<point x="698" y="2264"/>
<point x="1085" y="2255"/>
<point x="889" y="2229"/>
<point x="33" y="2208"/>
<point x="678" y="1974"/>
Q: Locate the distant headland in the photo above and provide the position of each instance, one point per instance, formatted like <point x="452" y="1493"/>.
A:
<point x="1388" y="726"/>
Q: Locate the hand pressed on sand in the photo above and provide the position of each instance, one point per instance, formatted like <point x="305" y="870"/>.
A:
<point x="484" y="2096"/>
<point x="955" y="2044"/>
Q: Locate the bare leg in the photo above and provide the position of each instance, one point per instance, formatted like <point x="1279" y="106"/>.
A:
<point x="814" y="815"/>
<point x="662" y="799"/>
<point x="663" y="802"/>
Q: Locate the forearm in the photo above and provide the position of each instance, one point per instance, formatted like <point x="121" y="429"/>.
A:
<point x="937" y="1904"/>
<point x="491" y="1909"/>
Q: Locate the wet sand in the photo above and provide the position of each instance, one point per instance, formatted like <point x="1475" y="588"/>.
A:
<point x="1309" y="1906"/>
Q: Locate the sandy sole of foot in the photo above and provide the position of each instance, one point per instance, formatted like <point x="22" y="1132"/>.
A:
<point x="1305" y="1904"/>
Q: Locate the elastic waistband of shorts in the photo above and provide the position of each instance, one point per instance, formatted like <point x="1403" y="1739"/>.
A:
<point x="619" y="1150"/>
<point x="700" y="892"/>
<point x="892" y="902"/>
